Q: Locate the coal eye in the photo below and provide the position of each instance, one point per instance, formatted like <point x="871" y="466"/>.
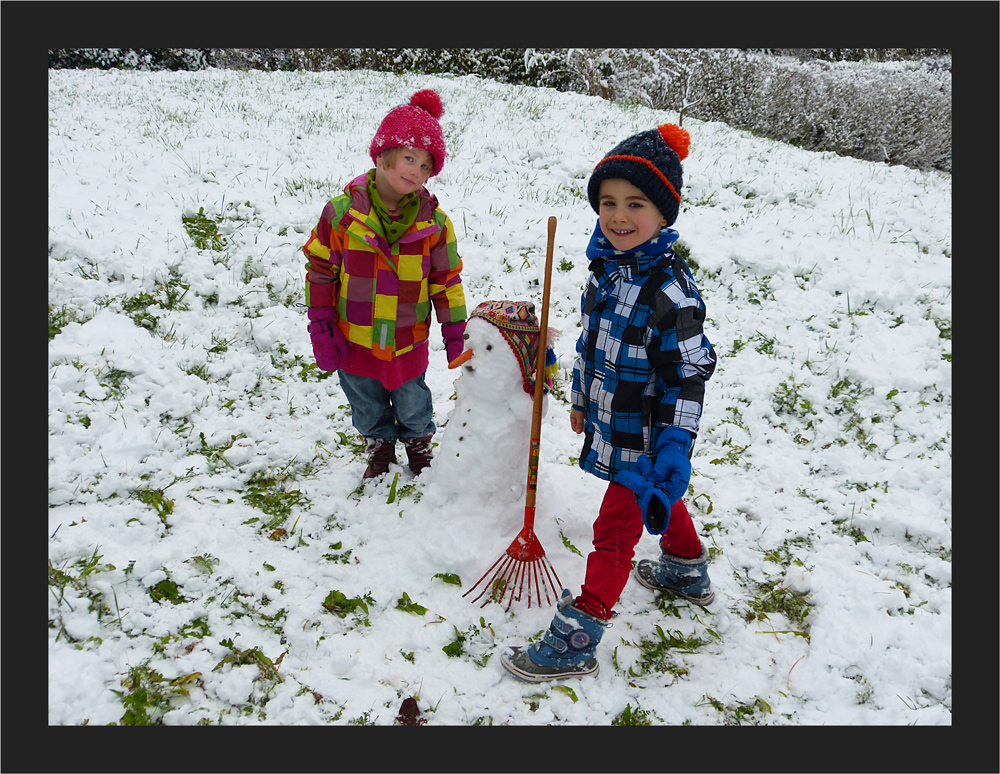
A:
<point x="465" y="336"/>
<point x="489" y="347"/>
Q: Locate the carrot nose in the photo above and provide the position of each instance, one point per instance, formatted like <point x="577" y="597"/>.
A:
<point x="465" y="357"/>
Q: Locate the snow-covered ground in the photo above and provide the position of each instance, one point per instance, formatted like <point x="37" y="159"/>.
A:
<point x="212" y="557"/>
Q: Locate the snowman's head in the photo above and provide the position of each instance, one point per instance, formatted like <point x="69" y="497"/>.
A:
<point x="491" y="368"/>
<point x="501" y="343"/>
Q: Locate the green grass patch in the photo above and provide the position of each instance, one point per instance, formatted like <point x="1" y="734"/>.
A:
<point x="146" y="695"/>
<point x="632" y="717"/>
<point x="216" y="454"/>
<point x="787" y="400"/>
<point x="341" y="605"/>
<point x="204" y="231"/>
<point x="733" y="457"/>
<point x="656" y="654"/>
<point x="270" y="492"/>
<point x="407" y="605"/>
<point x="848" y="529"/>
<point x="166" y="590"/>
<point x="69" y="584"/>
<point x="741" y="713"/>
<point x="566" y="542"/>
<point x="473" y="636"/>
<point x="846" y="395"/>
<point x="155" y="499"/>
<point x="254" y="657"/>
<point x="772" y="598"/>
<point x="784" y="554"/>
<point x="338" y="556"/>
<point x="168" y="294"/>
<point x="59" y="318"/>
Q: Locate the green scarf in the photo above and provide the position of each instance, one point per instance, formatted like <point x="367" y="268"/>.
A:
<point x="394" y="227"/>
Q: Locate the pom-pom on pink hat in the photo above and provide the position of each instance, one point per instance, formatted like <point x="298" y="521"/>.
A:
<point x="415" y="126"/>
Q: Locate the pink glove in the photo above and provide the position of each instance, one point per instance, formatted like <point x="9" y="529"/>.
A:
<point x="454" y="339"/>
<point x="329" y="344"/>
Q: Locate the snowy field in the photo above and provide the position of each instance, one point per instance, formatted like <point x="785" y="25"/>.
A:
<point x="212" y="557"/>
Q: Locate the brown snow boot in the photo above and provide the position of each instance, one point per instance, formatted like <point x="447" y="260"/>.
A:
<point x="381" y="454"/>
<point x="418" y="453"/>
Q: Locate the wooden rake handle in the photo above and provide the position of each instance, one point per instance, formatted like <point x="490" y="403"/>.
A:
<point x="536" y="414"/>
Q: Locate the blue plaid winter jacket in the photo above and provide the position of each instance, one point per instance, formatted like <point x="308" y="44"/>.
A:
<point x="642" y="357"/>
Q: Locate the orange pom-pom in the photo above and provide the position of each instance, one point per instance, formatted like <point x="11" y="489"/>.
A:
<point x="677" y="138"/>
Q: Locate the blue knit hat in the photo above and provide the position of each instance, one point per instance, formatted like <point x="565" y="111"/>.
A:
<point x="651" y="161"/>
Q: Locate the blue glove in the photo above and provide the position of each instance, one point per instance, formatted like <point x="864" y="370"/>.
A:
<point x="659" y="485"/>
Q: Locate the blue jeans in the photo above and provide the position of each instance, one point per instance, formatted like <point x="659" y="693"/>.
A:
<point x="407" y="412"/>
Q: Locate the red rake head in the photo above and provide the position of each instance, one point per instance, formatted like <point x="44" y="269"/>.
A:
<point x="524" y="564"/>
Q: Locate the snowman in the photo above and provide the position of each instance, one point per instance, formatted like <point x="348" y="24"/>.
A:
<point x="486" y="440"/>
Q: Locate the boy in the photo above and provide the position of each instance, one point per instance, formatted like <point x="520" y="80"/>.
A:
<point x="638" y="389"/>
<point x="382" y="255"/>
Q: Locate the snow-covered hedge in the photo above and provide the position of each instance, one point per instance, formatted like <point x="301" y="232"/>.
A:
<point x="131" y="58"/>
<point x="897" y="112"/>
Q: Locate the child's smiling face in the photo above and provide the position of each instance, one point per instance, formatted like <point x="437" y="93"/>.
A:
<point x="410" y="169"/>
<point x="627" y="216"/>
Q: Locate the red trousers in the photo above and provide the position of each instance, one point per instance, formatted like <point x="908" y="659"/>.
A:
<point x="616" y="533"/>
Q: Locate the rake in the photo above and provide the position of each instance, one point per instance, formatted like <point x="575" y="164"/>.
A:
<point x="524" y="567"/>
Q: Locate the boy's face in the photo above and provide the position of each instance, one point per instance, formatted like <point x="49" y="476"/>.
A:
<point x="627" y="217"/>
<point x="408" y="173"/>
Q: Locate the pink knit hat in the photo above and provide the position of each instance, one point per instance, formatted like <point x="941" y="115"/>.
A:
<point x="414" y="126"/>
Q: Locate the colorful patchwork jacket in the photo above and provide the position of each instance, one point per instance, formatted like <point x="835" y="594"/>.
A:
<point x="642" y="357"/>
<point x="384" y="294"/>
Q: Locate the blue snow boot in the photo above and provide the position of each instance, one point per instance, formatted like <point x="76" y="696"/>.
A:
<point x="565" y="650"/>
<point x="687" y="578"/>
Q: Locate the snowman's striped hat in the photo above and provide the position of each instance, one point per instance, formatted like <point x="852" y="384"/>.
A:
<point x="517" y="322"/>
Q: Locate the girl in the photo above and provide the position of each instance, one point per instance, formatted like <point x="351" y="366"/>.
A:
<point x="382" y="258"/>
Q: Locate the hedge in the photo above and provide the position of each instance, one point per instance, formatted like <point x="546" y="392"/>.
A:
<point x="886" y="105"/>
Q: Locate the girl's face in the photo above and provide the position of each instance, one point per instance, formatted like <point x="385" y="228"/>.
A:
<point x="627" y="217"/>
<point x="408" y="173"/>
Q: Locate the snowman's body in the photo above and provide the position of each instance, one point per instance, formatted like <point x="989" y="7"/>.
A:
<point x="486" y="440"/>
